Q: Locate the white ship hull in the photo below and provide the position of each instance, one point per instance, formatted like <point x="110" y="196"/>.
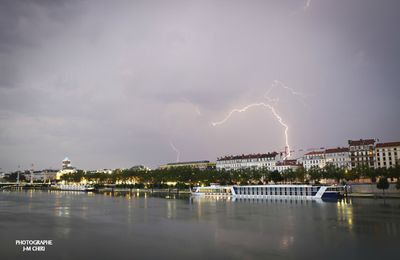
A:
<point x="301" y="192"/>
<point x="65" y="187"/>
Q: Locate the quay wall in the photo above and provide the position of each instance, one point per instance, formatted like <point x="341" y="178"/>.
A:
<point x="370" y="188"/>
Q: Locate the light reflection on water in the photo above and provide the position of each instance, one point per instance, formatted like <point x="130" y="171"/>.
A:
<point x="182" y="225"/>
<point x="345" y="212"/>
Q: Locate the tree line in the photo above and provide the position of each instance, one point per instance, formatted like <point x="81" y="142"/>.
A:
<point x="187" y="176"/>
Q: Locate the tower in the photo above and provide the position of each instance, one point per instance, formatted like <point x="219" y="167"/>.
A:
<point x="66" y="163"/>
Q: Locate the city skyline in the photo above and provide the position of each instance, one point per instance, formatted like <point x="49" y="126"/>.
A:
<point x="124" y="83"/>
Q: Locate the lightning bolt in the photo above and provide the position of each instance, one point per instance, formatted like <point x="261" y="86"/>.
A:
<point x="277" y="83"/>
<point x="178" y="153"/>
<point x="268" y="106"/>
<point x="280" y="84"/>
<point x="196" y="107"/>
<point x="304" y="8"/>
<point x="307" y="5"/>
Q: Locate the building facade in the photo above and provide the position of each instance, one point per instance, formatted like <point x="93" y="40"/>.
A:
<point x="340" y="157"/>
<point x="47" y="175"/>
<point x="387" y="155"/>
<point x="256" y="161"/>
<point x="314" y="159"/>
<point x="285" y="165"/>
<point x="202" y="165"/>
<point x="66" y="168"/>
<point x="362" y="153"/>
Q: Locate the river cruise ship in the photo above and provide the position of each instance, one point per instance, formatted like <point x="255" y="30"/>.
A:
<point x="72" y="187"/>
<point x="271" y="191"/>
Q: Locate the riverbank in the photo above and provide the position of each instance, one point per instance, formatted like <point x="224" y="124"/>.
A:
<point x="374" y="195"/>
<point x="355" y="191"/>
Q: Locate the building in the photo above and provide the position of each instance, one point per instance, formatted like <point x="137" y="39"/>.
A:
<point x="66" y="164"/>
<point x="314" y="159"/>
<point x="140" y="167"/>
<point x="66" y="168"/>
<point x="362" y="152"/>
<point x="236" y="162"/>
<point x="107" y="171"/>
<point x="387" y="155"/>
<point x="285" y="165"/>
<point x="340" y="157"/>
<point x="47" y="175"/>
<point x="202" y="165"/>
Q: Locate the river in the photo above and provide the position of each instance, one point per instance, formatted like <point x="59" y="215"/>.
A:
<point x="162" y="226"/>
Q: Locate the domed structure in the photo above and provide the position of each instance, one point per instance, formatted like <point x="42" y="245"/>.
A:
<point x="66" y="164"/>
<point x="66" y="168"/>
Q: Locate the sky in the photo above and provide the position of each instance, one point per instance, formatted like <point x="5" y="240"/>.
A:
<point x="118" y="83"/>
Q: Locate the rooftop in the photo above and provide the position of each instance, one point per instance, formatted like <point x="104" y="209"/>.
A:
<point x="337" y="150"/>
<point x="389" y="144"/>
<point x="248" y="156"/>
<point x="287" y="162"/>
<point x="361" y="142"/>
<point x="190" y="162"/>
<point x="315" y="153"/>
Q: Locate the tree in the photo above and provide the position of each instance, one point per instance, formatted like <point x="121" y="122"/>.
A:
<point x="383" y="184"/>
<point x="276" y="176"/>
<point x="331" y="171"/>
<point x="288" y="175"/>
<point x="300" y="174"/>
<point x="351" y="175"/>
<point x="265" y="174"/>
<point x="370" y="173"/>
<point x="12" y="177"/>
<point x="394" y="172"/>
<point x="315" y="173"/>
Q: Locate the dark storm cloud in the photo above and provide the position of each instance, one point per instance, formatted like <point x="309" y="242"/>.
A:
<point x="112" y="83"/>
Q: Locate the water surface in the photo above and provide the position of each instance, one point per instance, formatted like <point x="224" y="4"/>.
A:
<point x="141" y="226"/>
